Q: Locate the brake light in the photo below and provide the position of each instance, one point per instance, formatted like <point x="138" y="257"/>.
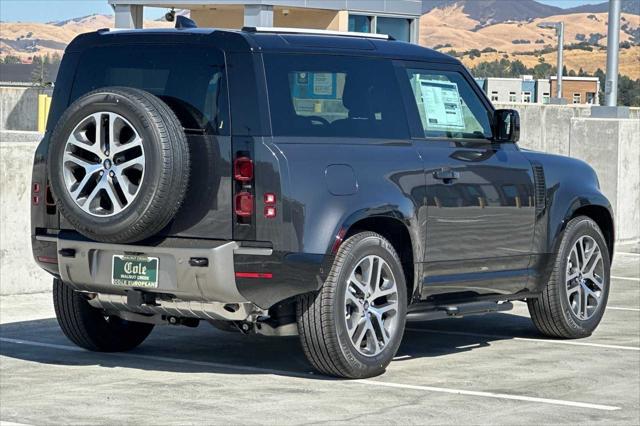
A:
<point x="243" y="169"/>
<point x="244" y="204"/>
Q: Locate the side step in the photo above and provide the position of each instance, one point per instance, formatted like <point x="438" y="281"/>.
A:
<point x="456" y="311"/>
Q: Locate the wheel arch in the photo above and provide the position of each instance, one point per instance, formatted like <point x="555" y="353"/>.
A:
<point x="397" y="233"/>
<point x="602" y="217"/>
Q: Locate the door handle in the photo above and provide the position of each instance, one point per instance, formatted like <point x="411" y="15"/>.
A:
<point x="447" y="175"/>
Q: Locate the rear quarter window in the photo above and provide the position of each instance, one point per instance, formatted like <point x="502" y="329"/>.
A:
<point x="190" y="79"/>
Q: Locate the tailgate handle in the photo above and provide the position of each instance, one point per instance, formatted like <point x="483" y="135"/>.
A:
<point x="67" y="252"/>
<point x="201" y="262"/>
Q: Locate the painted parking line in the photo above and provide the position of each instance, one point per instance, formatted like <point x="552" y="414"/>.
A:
<point x="490" y="395"/>
<point x="525" y="339"/>
<point x="368" y="382"/>
<point x="615" y="308"/>
<point x="627" y="253"/>
<point x="625" y="278"/>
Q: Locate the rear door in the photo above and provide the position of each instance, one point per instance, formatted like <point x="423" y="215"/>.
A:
<point x="480" y="204"/>
<point x="191" y="79"/>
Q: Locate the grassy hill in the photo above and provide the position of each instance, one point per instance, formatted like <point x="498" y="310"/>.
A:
<point x="451" y="28"/>
<point x="26" y="39"/>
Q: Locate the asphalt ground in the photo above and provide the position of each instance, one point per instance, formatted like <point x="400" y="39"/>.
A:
<point x="483" y="369"/>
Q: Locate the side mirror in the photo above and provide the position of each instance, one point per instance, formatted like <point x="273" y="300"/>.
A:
<point x="506" y="125"/>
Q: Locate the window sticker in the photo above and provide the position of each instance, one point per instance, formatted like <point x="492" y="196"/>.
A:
<point x="441" y="103"/>
<point x="323" y="84"/>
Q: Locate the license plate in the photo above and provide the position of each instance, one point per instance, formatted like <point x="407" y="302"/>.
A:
<point x="135" y="271"/>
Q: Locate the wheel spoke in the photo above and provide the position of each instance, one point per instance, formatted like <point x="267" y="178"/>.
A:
<point x="113" y="196"/>
<point x="353" y="279"/>
<point x="359" y="332"/>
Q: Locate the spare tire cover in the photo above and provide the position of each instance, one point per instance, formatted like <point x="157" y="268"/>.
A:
<point x="118" y="165"/>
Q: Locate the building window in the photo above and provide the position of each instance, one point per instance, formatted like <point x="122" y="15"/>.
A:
<point x="526" y="97"/>
<point x="513" y="97"/>
<point x="546" y="98"/>
<point x="494" y="96"/>
<point x="359" y="23"/>
<point x="591" y="98"/>
<point x="577" y="98"/>
<point x="398" y="28"/>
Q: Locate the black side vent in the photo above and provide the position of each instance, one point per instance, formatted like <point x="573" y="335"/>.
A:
<point x="541" y="188"/>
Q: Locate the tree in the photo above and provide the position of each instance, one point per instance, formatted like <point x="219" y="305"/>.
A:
<point x="56" y="58"/>
<point x="10" y="59"/>
<point x="564" y="70"/>
<point x="518" y="68"/>
<point x="572" y="73"/>
<point x="40" y="75"/>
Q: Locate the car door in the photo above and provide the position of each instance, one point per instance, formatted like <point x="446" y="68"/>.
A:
<point x="479" y="193"/>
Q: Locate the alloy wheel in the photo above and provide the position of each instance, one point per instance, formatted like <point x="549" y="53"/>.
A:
<point x="104" y="164"/>
<point x="585" y="277"/>
<point x="371" y="305"/>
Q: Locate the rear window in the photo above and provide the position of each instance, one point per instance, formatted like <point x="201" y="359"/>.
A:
<point x="190" y="79"/>
<point x="334" y="96"/>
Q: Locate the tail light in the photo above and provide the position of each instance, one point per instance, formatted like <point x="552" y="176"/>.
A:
<point x="243" y="169"/>
<point x="36" y="194"/>
<point x="244" y="204"/>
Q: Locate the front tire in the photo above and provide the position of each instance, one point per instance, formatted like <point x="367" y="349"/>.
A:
<point x="89" y="328"/>
<point x="573" y="302"/>
<point x="353" y="326"/>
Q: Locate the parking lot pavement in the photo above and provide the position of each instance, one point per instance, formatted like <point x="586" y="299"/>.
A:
<point x="491" y="369"/>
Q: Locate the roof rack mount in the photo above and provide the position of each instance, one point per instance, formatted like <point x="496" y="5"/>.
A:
<point x="279" y="30"/>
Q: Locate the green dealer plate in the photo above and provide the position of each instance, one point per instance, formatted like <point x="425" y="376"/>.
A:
<point x="135" y="271"/>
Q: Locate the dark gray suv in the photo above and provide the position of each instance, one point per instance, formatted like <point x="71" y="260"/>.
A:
<point x="280" y="182"/>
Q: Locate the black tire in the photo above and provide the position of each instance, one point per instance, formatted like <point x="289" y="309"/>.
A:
<point x="551" y="312"/>
<point x="166" y="172"/>
<point x="87" y="326"/>
<point x="321" y="315"/>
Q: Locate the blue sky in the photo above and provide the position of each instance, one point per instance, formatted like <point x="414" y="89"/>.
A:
<point x="55" y="10"/>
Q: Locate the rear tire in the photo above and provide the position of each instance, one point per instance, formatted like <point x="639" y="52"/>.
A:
<point x="88" y="327"/>
<point x="353" y="326"/>
<point x="573" y="302"/>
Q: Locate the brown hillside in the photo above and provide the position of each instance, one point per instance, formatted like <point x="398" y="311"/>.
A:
<point x="26" y="39"/>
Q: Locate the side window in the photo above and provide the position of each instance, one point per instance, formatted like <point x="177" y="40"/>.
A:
<point x="334" y="96"/>
<point x="448" y="106"/>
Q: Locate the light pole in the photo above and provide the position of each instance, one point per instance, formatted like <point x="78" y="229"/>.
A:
<point x="559" y="27"/>
<point x="613" y="49"/>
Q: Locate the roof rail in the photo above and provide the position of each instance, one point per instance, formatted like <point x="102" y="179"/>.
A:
<point x="279" y="30"/>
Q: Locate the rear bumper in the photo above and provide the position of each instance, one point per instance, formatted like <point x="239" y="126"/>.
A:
<point x="208" y="291"/>
<point x="87" y="266"/>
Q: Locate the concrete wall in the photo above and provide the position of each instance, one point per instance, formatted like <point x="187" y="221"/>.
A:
<point x="611" y="146"/>
<point x="19" y="107"/>
<point x="18" y="271"/>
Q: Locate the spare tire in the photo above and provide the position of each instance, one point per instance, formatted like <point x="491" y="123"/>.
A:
<point x="118" y="165"/>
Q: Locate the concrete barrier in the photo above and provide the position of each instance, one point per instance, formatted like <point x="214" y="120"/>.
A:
<point x="18" y="272"/>
<point x="611" y="146"/>
<point x="19" y="106"/>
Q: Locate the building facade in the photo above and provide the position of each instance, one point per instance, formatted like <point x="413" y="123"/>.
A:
<point x="398" y="18"/>
<point x="503" y="89"/>
<point x="526" y="89"/>
<point x="578" y="90"/>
